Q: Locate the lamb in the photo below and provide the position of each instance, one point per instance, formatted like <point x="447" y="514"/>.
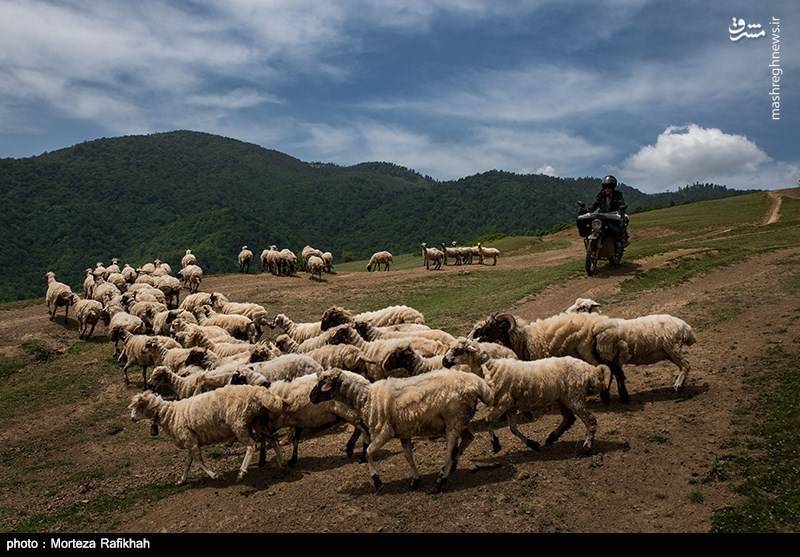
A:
<point x="89" y="313"/>
<point x="129" y="273"/>
<point x="245" y="256"/>
<point x="493" y="253"/>
<point x="188" y="259"/>
<point x="376" y="350"/>
<point x="327" y="260"/>
<point x="298" y="331"/>
<point x="583" y="305"/>
<point x="432" y="255"/>
<point x="58" y="295"/>
<point x="316" y="266"/>
<point x="240" y="412"/>
<point x="431" y="405"/>
<point x="595" y="339"/>
<point x="303" y="415"/>
<point x="88" y="283"/>
<point x="524" y="386"/>
<point x="238" y="326"/>
<point x="379" y="258"/>
<point x="162" y="321"/>
<point x="135" y="354"/>
<point x="120" y="323"/>
<point x="392" y="315"/>
<point x="370" y="332"/>
<point x="191" y="275"/>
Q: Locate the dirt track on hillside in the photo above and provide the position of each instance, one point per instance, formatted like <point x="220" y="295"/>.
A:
<point x="650" y="455"/>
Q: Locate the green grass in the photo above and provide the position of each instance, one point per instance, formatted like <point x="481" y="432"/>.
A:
<point x="768" y="477"/>
<point x="696" y="497"/>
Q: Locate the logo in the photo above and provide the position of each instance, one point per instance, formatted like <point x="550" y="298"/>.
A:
<point x="738" y="30"/>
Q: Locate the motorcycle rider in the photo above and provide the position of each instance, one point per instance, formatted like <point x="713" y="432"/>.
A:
<point x="609" y="199"/>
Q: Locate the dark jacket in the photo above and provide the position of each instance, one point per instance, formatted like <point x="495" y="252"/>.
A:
<point x="607" y="204"/>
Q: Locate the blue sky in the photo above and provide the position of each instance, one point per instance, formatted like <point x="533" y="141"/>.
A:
<point x="654" y="92"/>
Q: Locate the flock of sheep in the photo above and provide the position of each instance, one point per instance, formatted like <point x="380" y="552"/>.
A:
<point x="384" y="372"/>
<point x="461" y="255"/>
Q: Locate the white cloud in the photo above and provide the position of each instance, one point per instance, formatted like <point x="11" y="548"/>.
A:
<point x="480" y="149"/>
<point x="684" y="154"/>
<point x="546" y="169"/>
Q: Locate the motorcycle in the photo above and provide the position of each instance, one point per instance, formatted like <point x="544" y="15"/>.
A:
<point x="602" y="235"/>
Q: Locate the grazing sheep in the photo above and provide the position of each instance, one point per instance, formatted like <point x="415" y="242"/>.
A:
<point x="315" y="266"/>
<point x="234" y="412"/>
<point x="134" y="352"/>
<point x="327" y="260"/>
<point x="89" y="313"/>
<point x="583" y="305"/>
<point x="370" y="332"/>
<point x="245" y="256"/>
<point x="191" y="275"/>
<point x="430" y="405"/>
<point x="525" y="386"/>
<point x="595" y="339"/>
<point x="379" y="258"/>
<point x="298" y="331"/>
<point x="58" y="295"/>
<point x="188" y="259"/>
<point x="432" y="255"/>
<point x="492" y="253"/>
<point x="88" y="283"/>
<point x="238" y="326"/>
<point x="392" y="315"/>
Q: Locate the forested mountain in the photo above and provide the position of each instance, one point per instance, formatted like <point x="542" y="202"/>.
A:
<point x="152" y="196"/>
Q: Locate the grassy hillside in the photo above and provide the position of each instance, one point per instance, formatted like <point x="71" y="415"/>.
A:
<point x="146" y="197"/>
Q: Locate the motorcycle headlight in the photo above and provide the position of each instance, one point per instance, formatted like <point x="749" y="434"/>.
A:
<point x="597" y="224"/>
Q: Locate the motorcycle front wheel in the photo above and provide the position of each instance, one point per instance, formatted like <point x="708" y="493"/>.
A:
<point x="591" y="257"/>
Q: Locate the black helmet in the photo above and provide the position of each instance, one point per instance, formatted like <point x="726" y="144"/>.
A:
<point x="609" y="182"/>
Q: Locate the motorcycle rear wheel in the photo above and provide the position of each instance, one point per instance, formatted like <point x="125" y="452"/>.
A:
<point x="591" y="258"/>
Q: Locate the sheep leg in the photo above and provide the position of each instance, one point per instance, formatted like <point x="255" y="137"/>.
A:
<point x="277" y="447"/>
<point x="619" y="375"/>
<point x="125" y="372"/>
<point x="491" y="420"/>
<point x="683" y="367"/>
<point x="186" y="467"/>
<point x="91" y="331"/>
<point x="377" y="442"/>
<point x="408" y="450"/>
<point x="466" y="438"/>
<point x="590" y="422"/>
<point x="512" y="425"/>
<point x="144" y="376"/>
<point x="295" y="445"/>
<point x="451" y="457"/>
<point x="248" y="456"/>
<point x="566" y="423"/>
<point x="351" y="443"/>
<point x="198" y="454"/>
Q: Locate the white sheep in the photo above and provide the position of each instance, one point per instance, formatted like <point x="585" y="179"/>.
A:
<point x="492" y="253"/>
<point x="287" y="344"/>
<point x="188" y="259"/>
<point x="171" y="288"/>
<point x="104" y="291"/>
<point x="240" y="412"/>
<point x="89" y="313"/>
<point x="525" y="386"/>
<point x="217" y="334"/>
<point x="58" y="295"/>
<point x="596" y="339"/>
<point x="270" y="260"/>
<point x="191" y="276"/>
<point x="343" y="356"/>
<point x="99" y="270"/>
<point x="430" y="405"/>
<point x="113" y="268"/>
<point x="193" y="302"/>
<point x="134" y="353"/>
<point x="285" y="367"/>
<point x="120" y="323"/>
<point x="431" y="255"/>
<point x="392" y="315"/>
<point x="583" y="305"/>
<point x="254" y="312"/>
<point x="287" y="262"/>
<point x="177" y="359"/>
<point x="162" y="321"/>
<point x="327" y="260"/>
<point x="377" y="350"/>
<point x="189" y="385"/>
<point x="255" y="352"/>
<point x="244" y="258"/>
<point x="129" y="273"/>
<point x="118" y="280"/>
<point x="297" y="331"/>
<point x="146" y="311"/>
<point x="88" y="284"/>
<point x="379" y="258"/>
<point x="144" y="278"/>
<point x="315" y="266"/>
<point x="370" y="332"/>
<point x="308" y="251"/>
<point x="238" y="326"/>
<point x="147" y="269"/>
